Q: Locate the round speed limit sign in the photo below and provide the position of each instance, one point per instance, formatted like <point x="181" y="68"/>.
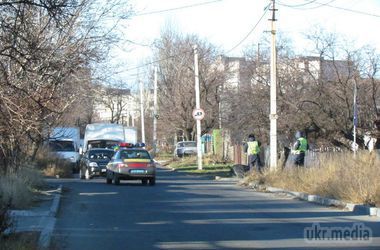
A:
<point x="198" y="114"/>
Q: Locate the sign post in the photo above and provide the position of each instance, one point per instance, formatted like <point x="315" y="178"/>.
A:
<point x="199" y="113"/>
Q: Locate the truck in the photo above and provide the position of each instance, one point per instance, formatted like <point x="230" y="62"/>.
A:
<point x="107" y="135"/>
<point x="65" y="143"/>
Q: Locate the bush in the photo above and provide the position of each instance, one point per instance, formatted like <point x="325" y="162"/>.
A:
<point x="53" y="166"/>
<point x="58" y="168"/>
<point x="341" y="176"/>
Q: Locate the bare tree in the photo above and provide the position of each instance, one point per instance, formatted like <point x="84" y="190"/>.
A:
<point x="176" y="83"/>
<point x="46" y="48"/>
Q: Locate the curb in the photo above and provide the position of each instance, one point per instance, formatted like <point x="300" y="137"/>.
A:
<point x="357" y="209"/>
<point x="219" y="178"/>
<point x="45" y="235"/>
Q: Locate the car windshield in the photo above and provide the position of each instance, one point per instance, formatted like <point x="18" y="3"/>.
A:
<point x="133" y="154"/>
<point x="100" y="154"/>
<point x="188" y="144"/>
<point x="62" y="146"/>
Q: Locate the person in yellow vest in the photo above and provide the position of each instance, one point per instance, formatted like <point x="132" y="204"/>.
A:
<point x="252" y="147"/>
<point x="300" y="148"/>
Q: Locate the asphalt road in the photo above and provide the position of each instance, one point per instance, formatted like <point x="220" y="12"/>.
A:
<point x="190" y="212"/>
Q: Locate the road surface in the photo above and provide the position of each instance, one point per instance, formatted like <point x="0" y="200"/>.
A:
<point x="192" y="212"/>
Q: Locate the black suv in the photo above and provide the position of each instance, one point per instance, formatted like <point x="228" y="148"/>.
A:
<point x="94" y="162"/>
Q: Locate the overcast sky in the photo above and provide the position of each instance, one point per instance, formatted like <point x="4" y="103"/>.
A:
<point x="225" y="23"/>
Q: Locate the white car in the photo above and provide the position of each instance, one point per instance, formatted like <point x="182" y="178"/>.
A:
<point x="185" y="148"/>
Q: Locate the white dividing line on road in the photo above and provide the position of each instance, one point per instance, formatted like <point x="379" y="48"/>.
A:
<point x="93" y="194"/>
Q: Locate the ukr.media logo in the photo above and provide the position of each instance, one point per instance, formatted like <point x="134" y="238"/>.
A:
<point x="358" y="232"/>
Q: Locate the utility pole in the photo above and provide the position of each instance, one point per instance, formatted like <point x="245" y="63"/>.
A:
<point x="355" y="121"/>
<point x="155" y="115"/>
<point x="142" y="112"/>
<point x="197" y="106"/>
<point x="273" y="93"/>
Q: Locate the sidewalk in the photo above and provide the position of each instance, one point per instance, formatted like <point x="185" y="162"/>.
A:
<point x="358" y="209"/>
<point x="40" y="218"/>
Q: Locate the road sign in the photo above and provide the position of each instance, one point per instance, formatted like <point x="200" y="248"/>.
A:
<point x="198" y="114"/>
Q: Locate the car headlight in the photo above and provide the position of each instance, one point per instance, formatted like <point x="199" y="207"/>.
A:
<point x="93" y="164"/>
<point x="72" y="159"/>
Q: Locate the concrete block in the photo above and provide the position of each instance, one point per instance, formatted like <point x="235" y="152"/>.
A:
<point x="373" y="211"/>
<point x="312" y="198"/>
<point x="275" y="190"/>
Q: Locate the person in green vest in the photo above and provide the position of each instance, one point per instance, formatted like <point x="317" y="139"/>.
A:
<point x="300" y="148"/>
<point x="252" y="147"/>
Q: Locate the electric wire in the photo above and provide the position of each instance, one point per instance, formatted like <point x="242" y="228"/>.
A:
<point x="353" y="11"/>
<point x="153" y="62"/>
<point x="328" y="4"/>
<point x="297" y="5"/>
<point x="177" y="8"/>
<point x="251" y="31"/>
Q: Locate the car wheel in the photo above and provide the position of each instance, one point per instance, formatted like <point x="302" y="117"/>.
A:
<point x="116" y="179"/>
<point x="87" y="174"/>
<point x="108" y="178"/>
<point x="81" y="175"/>
<point x="152" y="181"/>
<point x="144" y="181"/>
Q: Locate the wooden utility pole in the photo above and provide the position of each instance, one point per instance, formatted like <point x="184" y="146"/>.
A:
<point x="155" y="114"/>
<point x="142" y="112"/>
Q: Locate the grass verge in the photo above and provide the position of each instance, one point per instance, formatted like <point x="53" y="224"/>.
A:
<point x="209" y="166"/>
<point x="18" y="190"/>
<point x="341" y="176"/>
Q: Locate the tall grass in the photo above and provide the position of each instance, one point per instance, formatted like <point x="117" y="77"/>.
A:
<point x="341" y="176"/>
<point x="17" y="192"/>
<point x="16" y="189"/>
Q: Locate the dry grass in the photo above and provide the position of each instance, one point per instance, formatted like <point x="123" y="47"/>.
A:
<point x="51" y="165"/>
<point x="17" y="189"/>
<point x="20" y="241"/>
<point x="59" y="169"/>
<point x="55" y="167"/>
<point x="340" y="176"/>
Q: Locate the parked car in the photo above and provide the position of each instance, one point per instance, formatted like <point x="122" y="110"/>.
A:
<point x="64" y="143"/>
<point x="185" y="148"/>
<point x="94" y="162"/>
<point x="131" y="164"/>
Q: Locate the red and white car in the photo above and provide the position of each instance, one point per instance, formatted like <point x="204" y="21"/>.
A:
<point x="131" y="163"/>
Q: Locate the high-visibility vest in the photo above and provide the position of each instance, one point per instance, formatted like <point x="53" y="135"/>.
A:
<point x="253" y="148"/>
<point x="302" y="147"/>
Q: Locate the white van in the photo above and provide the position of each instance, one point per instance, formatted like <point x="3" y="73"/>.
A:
<point x="107" y="135"/>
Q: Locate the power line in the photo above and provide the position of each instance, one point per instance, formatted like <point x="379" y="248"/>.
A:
<point x="177" y="8"/>
<point x="328" y="4"/>
<point x="297" y="5"/>
<point x="153" y="62"/>
<point x="353" y="11"/>
<point x="308" y="8"/>
<point x="250" y="32"/>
